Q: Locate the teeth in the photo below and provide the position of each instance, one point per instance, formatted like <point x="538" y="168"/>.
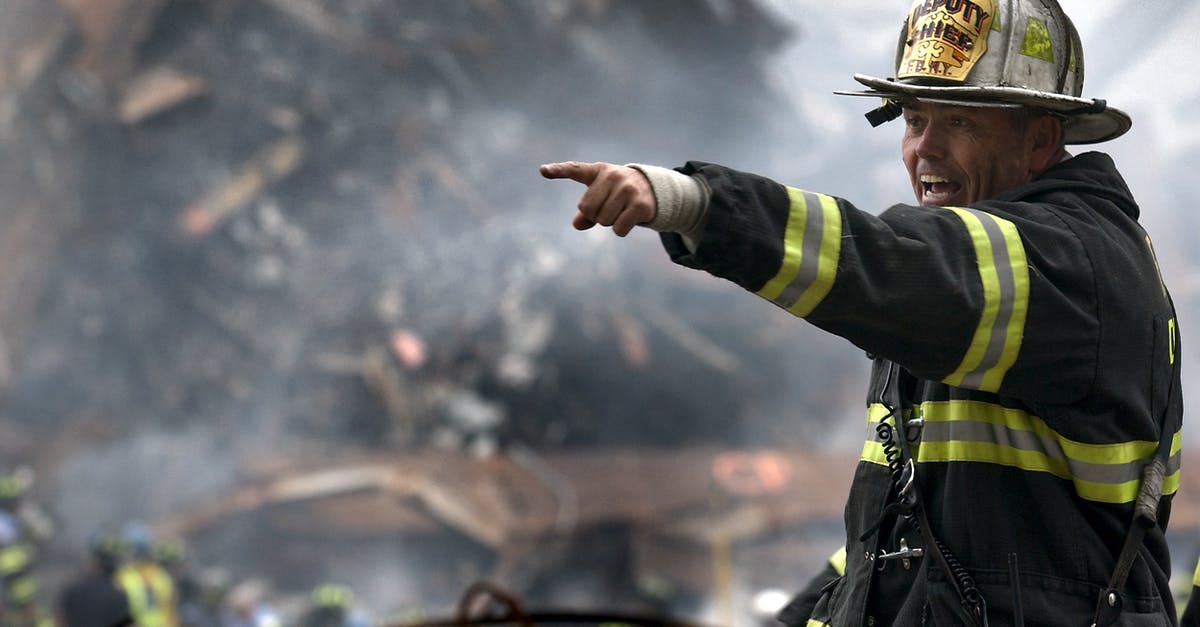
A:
<point x="930" y="178"/>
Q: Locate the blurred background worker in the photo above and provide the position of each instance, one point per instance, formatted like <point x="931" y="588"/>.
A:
<point x="93" y="599"/>
<point x="149" y="588"/>
<point x="194" y="602"/>
<point x="332" y="605"/>
<point x="247" y="606"/>
<point x="22" y="528"/>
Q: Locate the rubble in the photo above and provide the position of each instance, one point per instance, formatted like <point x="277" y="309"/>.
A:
<point x="520" y="504"/>
<point x="158" y="90"/>
<point x="267" y="166"/>
<point x="311" y="231"/>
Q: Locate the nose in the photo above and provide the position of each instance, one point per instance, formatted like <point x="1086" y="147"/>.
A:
<point x="929" y="143"/>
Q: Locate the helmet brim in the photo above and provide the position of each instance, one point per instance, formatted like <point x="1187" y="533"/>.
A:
<point x="1085" y="121"/>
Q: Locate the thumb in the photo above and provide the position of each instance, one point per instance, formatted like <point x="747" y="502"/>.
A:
<point x="579" y="172"/>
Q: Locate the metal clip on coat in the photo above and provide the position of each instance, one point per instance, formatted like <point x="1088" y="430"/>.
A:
<point x="905" y="554"/>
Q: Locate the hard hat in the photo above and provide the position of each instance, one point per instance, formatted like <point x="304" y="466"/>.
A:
<point x="10" y="531"/>
<point x="994" y="53"/>
<point x="138" y="539"/>
<point x="10" y="488"/>
<point x="170" y="551"/>
<point x="108" y="547"/>
<point x="14" y="484"/>
<point x="332" y="595"/>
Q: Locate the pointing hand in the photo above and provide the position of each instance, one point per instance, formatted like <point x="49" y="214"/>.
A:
<point x="617" y="196"/>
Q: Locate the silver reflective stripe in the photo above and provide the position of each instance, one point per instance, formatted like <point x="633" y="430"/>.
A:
<point x="806" y="275"/>
<point x="975" y="431"/>
<point x="1004" y="278"/>
<point x="812" y="244"/>
<point x="964" y="431"/>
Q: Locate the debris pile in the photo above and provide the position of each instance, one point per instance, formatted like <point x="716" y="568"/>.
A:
<point x="325" y="215"/>
<point x="280" y="276"/>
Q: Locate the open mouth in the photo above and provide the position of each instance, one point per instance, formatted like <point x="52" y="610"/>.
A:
<point x="938" y="188"/>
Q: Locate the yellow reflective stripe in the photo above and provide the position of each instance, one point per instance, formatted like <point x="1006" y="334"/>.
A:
<point x="793" y="240"/>
<point x="812" y="622"/>
<point x="1122" y="492"/>
<point x="149" y="594"/>
<point x="1171" y="340"/>
<point x="838" y="561"/>
<point x="1196" y="575"/>
<point x="14" y="558"/>
<point x="1115" y="493"/>
<point x="974" y="431"/>
<point x="811" y="247"/>
<point x="829" y="252"/>
<point x="21" y="590"/>
<point x="1004" y="274"/>
<point x="991" y="453"/>
<point x="872" y="448"/>
<point x="1015" y="419"/>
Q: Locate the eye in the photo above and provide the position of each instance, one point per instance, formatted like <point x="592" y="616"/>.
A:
<point x="959" y="121"/>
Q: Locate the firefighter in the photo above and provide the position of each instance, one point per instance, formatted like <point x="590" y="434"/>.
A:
<point x="94" y="599"/>
<point x="332" y="605"/>
<point x="149" y="588"/>
<point x="247" y="606"/>
<point x="800" y="607"/>
<point x="1024" y="406"/>
<point x="22" y="527"/>
<point x="192" y="608"/>
<point x="1191" y="611"/>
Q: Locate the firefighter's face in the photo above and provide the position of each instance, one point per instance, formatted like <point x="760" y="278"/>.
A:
<point x="959" y="155"/>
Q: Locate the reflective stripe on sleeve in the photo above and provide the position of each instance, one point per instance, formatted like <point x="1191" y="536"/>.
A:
<point x="1004" y="274"/>
<point x="973" y="431"/>
<point x="811" y="247"/>
<point x="1196" y="577"/>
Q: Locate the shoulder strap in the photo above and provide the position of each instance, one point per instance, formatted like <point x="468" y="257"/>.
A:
<point x="1145" y="516"/>
<point x="1145" y="511"/>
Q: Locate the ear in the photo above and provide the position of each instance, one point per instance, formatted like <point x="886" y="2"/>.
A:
<point x="1044" y="138"/>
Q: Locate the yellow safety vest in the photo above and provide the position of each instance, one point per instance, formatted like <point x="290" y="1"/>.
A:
<point x="151" y="594"/>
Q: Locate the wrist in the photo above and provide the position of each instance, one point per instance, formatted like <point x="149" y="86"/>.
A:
<point x="681" y="200"/>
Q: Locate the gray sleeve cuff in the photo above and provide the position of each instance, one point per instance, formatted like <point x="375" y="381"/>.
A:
<point x="682" y="201"/>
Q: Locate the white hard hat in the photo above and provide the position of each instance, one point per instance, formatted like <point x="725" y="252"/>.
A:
<point x="995" y="53"/>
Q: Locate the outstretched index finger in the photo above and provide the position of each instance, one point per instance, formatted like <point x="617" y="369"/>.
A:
<point x="579" y="172"/>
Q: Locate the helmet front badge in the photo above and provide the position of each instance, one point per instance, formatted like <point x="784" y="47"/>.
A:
<point x="946" y="38"/>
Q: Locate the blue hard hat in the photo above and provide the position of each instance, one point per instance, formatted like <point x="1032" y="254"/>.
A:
<point x="137" y="539"/>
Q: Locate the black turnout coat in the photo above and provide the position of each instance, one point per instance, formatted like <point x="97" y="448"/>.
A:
<point x="1039" y="357"/>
